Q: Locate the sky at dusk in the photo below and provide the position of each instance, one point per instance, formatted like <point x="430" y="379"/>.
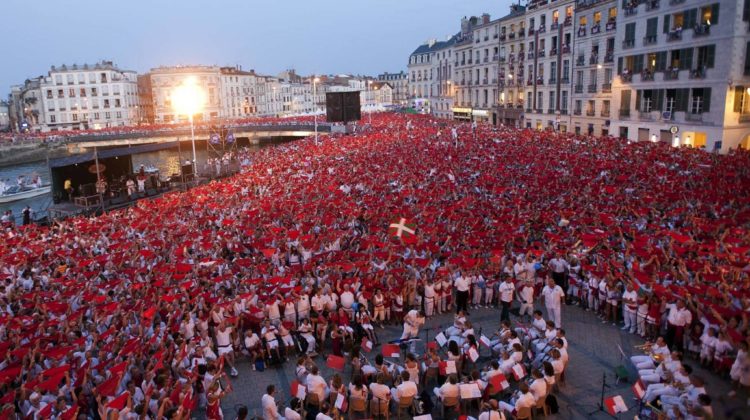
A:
<point x="312" y="36"/>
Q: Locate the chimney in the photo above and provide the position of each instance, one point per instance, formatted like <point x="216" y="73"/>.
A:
<point x="485" y="18"/>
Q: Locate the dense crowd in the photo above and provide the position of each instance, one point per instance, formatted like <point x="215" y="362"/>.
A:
<point x="63" y="135"/>
<point x="146" y="312"/>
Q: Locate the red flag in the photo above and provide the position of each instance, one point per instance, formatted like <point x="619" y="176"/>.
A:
<point x="109" y="386"/>
<point x="615" y="405"/>
<point x="336" y="362"/>
<point x="119" y="402"/>
<point x="391" y="350"/>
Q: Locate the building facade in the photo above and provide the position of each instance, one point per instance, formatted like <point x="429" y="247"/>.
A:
<point x="165" y="80"/>
<point x="511" y="82"/>
<point x="549" y="42"/>
<point x="485" y="50"/>
<point x="670" y="86"/>
<point x="594" y="52"/>
<point x="399" y="82"/>
<point x="441" y="75"/>
<point x="420" y="77"/>
<point x="26" y="110"/>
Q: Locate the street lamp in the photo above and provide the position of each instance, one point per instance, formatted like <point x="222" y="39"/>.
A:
<point x="188" y="98"/>
<point x="315" y="107"/>
<point x="369" y="114"/>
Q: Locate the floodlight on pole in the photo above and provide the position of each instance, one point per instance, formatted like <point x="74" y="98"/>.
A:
<point x="189" y="99"/>
<point x="315" y="106"/>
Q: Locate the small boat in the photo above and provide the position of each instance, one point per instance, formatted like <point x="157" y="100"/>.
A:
<point x="16" y="193"/>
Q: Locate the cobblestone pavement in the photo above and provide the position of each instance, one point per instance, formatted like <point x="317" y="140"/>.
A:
<point x="593" y="350"/>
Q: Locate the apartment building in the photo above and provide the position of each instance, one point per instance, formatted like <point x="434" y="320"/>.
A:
<point x="594" y="52"/>
<point x="420" y="77"/>
<point x="399" y="82"/>
<point x="511" y="82"/>
<point x="441" y="86"/>
<point x="549" y="42"/>
<point x="670" y="85"/>
<point x="165" y="80"/>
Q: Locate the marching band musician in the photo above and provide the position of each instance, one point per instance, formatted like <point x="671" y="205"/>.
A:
<point x="458" y="325"/>
<point x="658" y="349"/>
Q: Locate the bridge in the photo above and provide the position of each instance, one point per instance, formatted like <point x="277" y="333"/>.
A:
<point x="254" y="133"/>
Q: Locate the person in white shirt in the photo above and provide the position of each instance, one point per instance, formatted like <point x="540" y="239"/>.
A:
<point x="659" y="348"/>
<point x="316" y="384"/>
<point x="507" y="289"/>
<point x="448" y="390"/>
<point x="462" y="285"/>
<point x="292" y="412"/>
<point x="429" y="298"/>
<point x="522" y="399"/>
<point x="270" y="410"/>
<point x="406" y="389"/>
<point x="526" y="297"/>
<point x="678" y="318"/>
<point x="559" y="268"/>
<point x="412" y="321"/>
<point x="553" y="299"/>
<point x="538" y="387"/>
<point x="490" y="411"/>
<point x="380" y="391"/>
<point x="629" y="308"/>
<point x="347" y="300"/>
<point x="224" y="345"/>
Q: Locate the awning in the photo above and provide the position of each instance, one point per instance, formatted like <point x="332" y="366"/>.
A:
<point x="110" y="153"/>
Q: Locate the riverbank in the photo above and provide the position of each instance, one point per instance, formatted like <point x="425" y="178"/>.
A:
<point x="20" y="154"/>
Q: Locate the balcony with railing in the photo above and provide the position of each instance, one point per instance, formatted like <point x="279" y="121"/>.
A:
<point x="647" y="75"/>
<point x="564" y="111"/>
<point x="485" y="81"/>
<point x="581" y="60"/>
<point x="649" y="39"/>
<point x="651" y="5"/>
<point x="577" y="112"/>
<point x="596" y="29"/>
<point x="497" y="57"/>
<point x="611" y="25"/>
<point x="593" y="59"/>
<point x="502" y="36"/>
<point x="675" y="34"/>
<point x="486" y="59"/>
<point x="672" y="74"/>
<point x="521" y="55"/>
<point x="554" y="26"/>
<point x="552" y="81"/>
<point x="694" y="116"/>
<point x="566" y="49"/>
<point x="511" y="35"/>
<point x="469" y="61"/>
<point x="553" y="52"/>
<point x="541" y="53"/>
<point x="628" y="43"/>
<point x="565" y="80"/>
<point x="592" y="88"/>
<point x="609" y="57"/>
<point x="530" y="31"/>
<point x="645" y="116"/>
<point x="582" y="31"/>
<point x="626" y="76"/>
<point x="550" y="110"/>
<point x="578" y="88"/>
<point x="631" y="10"/>
<point x="521" y="33"/>
<point x="604" y="113"/>
<point x="676" y="2"/>
<point x="701" y="29"/>
<point x="699" y="73"/>
<point x="512" y="58"/>
<point x="529" y="82"/>
<point x="606" y="87"/>
<point x="624" y="113"/>
<point x="568" y="21"/>
<point x="590" y="113"/>
<point x="744" y="118"/>
<point x="542" y="29"/>
<point x="530" y="55"/>
<point x="540" y="80"/>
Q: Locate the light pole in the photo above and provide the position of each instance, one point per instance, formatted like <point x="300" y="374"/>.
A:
<point x="188" y="99"/>
<point x="315" y="107"/>
<point x="369" y="91"/>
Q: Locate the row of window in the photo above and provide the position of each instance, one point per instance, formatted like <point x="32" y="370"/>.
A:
<point x="71" y="78"/>
<point x="680" y="59"/>
<point x="699" y="20"/>
<point x="81" y="92"/>
<point x="53" y="119"/>
<point x="692" y="100"/>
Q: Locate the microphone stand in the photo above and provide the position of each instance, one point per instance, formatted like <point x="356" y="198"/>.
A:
<point x="600" y="407"/>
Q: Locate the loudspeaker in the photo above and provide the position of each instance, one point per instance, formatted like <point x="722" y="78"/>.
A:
<point x="343" y="106"/>
<point x="187" y="170"/>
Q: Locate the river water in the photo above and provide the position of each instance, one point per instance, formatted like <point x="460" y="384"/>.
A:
<point x="167" y="161"/>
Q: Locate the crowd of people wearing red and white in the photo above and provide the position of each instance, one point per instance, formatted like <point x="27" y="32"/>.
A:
<point x="147" y="312"/>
